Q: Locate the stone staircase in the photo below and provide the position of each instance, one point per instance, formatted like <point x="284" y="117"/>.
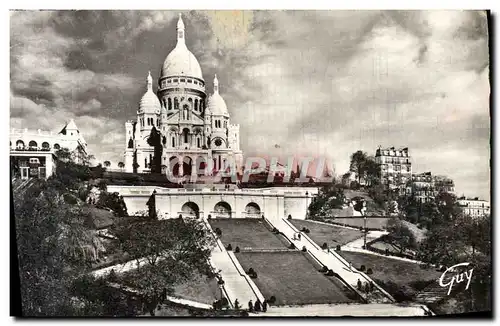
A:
<point x="432" y="293"/>
<point x="237" y="284"/>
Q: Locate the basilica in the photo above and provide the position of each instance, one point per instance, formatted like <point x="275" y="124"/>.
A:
<point x="195" y="129"/>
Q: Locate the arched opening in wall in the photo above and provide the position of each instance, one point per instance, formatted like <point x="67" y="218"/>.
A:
<point x="190" y="209"/>
<point x="187" y="165"/>
<point x="196" y="104"/>
<point x="32" y="144"/>
<point x="222" y="210"/>
<point x="19" y="144"/>
<point x="45" y="145"/>
<point x="201" y="165"/>
<point x="252" y="210"/>
<point x="169" y="103"/>
<point x="185" y="135"/>
<point x="57" y="146"/>
<point x="173" y="166"/>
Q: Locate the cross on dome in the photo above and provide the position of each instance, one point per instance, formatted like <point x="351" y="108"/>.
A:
<point x="180" y="31"/>
<point x="150" y="81"/>
<point x="216" y="85"/>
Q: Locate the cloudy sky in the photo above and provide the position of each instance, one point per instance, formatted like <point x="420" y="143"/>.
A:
<point x="317" y="83"/>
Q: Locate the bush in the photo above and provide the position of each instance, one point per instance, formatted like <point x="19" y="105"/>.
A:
<point x="369" y="271"/>
<point x="324" y="246"/>
<point x="324" y="269"/>
<point x="218" y="232"/>
<point x="180" y="215"/>
<point x="251" y="271"/>
<point x="307" y="231"/>
<point x="229" y="247"/>
<point x="304" y="249"/>
<point x="292" y="246"/>
<point x="275" y="230"/>
<point x="337" y="248"/>
<point x="362" y="268"/>
<point x="303" y="229"/>
<point x="209" y="217"/>
<point x="224" y="302"/>
<point x="237" y="249"/>
<point x="253" y="275"/>
<point x="272" y="299"/>
<point x="289" y="217"/>
<point x="386" y="252"/>
<point x="330" y="273"/>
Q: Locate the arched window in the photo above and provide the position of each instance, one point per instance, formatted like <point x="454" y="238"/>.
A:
<point x="199" y="142"/>
<point x="185" y="132"/>
<point x="190" y="100"/>
<point x="56" y="146"/>
<point x="45" y="145"/>
<point x="19" y="144"/>
<point x="173" y="141"/>
<point x="169" y="103"/>
<point x="32" y="144"/>
<point x="196" y="105"/>
<point x="176" y="103"/>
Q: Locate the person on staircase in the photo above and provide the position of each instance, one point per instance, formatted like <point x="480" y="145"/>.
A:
<point x="250" y="306"/>
<point x="258" y="306"/>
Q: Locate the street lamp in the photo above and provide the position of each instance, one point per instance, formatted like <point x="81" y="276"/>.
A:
<point x="307" y="204"/>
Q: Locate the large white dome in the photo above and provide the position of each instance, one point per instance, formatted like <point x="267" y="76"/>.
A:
<point x="181" y="62"/>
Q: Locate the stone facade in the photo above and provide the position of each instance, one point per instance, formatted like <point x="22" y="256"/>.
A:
<point x="395" y="168"/>
<point x="474" y="207"/>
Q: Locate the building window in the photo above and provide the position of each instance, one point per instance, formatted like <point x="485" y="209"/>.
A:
<point x="176" y="80"/>
<point x="196" y="104"/>
<point x="45" y="145"/>
<point x="169" y="103"/>
<point x="190" y="81"/>
<point x="195" y="82"/>
<point x="32" y="144"/>
<point x="199" y="142"/>
<point x="169" y="80"/>
<point x="173" y="141"/>
<point x="176" y="103"/>
<point x="182" y="80"/>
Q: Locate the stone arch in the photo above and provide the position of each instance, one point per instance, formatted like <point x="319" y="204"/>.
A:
<point x="169" y="103"/>
<point x="196" y="104"/>
<point x="57" y="146"/>
<point x="19" y="144"/>
<point x="252" y="210"/>
<point x="185" y="136"/>
<point x="174" y="165"/>
<point x="45" y="145"/>
<point x="187" y="163"/>
<point x="190" y="209"/>
<point x="222" y="209"/>
<point x="32" y="143"/>
<point x="201" y="164"/>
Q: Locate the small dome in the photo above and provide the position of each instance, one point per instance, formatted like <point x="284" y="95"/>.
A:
<point x="149" y="101"/>
<point x="181" y="62"/>
<point x="216" y="104"/>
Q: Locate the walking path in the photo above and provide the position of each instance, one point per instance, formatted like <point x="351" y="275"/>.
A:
<point x="238" y="284"/>
<point x="324" y="310"/>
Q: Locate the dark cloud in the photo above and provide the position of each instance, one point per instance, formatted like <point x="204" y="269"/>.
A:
<point x="316" y="82"/>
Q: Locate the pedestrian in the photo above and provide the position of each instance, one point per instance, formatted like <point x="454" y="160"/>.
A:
<point x="372" y="286"/>
<point x="299" y="236"/>
<point x="350" y="266"/>
<point x="359" y="284"/>
<point x="236" y="304"/>
<point x="250" y="306"/>
<point x="257" y="306"/>
<point x="367" y="287"/>
<point x="264" y="305"/>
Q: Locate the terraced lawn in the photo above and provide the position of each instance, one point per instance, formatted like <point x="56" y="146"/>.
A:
<point x="371" y="222"/>
<point x="247" y="233"/>
<point x="293" y="279"/>
<point x="329" y="234"/>
<point x="399" y="278"/>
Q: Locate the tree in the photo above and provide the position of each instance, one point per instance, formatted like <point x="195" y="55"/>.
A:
<point x="107" y="164"/>
<point x="154" y="140"/>
<point x="172" y="250"/>
<point x="400" y="235"/>
<point x="121" y="165"/>
<point x="358" y="166"/>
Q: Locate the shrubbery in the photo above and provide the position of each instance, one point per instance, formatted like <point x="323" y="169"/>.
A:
<point x="369" y="271"/>
<point x="229" y="247"/>
<point x="362" y="268"/>
<point x="324" y="246"/>
<point x="272" y="299"/>
<point x="330" y="273"/>
<point x="304" y="249"/>
<point x="237" y="249"/>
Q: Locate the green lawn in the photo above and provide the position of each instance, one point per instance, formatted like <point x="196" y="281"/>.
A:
<point x="292" y="279"/>
<point x="331" y="234"/>
<point x="395" y="276"/>
<point x="372" y="222"/>
<point x="247" y="233"/>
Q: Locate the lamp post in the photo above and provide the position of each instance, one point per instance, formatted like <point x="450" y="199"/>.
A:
<point x="307" y="204"/>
